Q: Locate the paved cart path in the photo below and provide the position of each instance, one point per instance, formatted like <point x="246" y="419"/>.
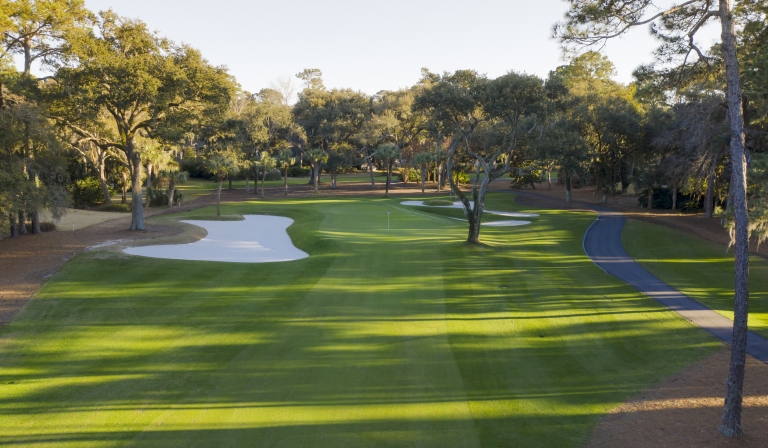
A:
<point x="603" y="245"/>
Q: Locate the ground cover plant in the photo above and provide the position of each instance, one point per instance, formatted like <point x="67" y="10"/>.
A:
<point x="397" y="337"/>
<point x="698" y="268"/>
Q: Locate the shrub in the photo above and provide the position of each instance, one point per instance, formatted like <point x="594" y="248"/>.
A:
<point x="196" y="168"/>
<point x="410" y="175"/>
<point x="44" y="227"/>
<point x="116" y="207"/>
<point x="274" y="174"/>
<point x="297" y="171"/>
<point x="86" y="192"/>
<point x="159" y="198"/>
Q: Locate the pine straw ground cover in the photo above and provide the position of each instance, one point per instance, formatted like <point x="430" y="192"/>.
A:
<point x="381" y="337"/>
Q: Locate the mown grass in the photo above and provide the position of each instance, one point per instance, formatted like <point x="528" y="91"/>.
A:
<point x="401" y="337"/>
<point x="698" y="268"/>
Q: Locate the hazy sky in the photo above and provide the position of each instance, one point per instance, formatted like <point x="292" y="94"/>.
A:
<point x="370" y="45"/>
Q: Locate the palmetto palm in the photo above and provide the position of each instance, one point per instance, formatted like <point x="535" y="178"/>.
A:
<point x="284" y="160"/>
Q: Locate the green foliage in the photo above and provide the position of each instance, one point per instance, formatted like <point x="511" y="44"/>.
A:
<point x="298" y="171"/>
<point x="86" y="192"/>
<point x="525" y="177"/>
<point x="662" y="199"/>
<point x="274" y="174"/>
<point x="117" y="207"/>
<point x="410" y="175"/>
<point x="159" y="198"/>
<point x="196" y="168"/>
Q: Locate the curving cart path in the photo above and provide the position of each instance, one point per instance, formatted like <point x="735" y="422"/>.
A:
<point x="602" y="243"/>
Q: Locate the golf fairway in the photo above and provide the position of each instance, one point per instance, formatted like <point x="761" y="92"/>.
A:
<point x="400" y="337"/>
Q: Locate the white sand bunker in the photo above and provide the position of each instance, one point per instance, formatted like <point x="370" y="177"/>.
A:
<point x="458" y="204"/>
<point x="257" y="239"/>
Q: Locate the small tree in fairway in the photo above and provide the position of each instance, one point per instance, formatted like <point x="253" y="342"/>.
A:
<point x="221" y="164"/>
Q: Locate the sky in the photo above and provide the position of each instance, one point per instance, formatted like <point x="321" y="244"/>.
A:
<point x="371" y="45"/>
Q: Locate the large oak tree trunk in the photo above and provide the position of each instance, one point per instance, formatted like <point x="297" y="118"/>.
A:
<point x="731" y="426"/>
<point x="568" y="192"/>
<point x="137" y="211"/>
<point x="36" y="222"/>
<point x="103" y="181"/>
<point x="370" y="168"/>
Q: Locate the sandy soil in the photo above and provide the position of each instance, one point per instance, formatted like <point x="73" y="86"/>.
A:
<point x="686" y="409"/>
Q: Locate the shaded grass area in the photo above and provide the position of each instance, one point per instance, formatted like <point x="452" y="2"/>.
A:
<point x="698" y="268"/>
<point x="401" y="337"/>
<point x="212" y="217"/>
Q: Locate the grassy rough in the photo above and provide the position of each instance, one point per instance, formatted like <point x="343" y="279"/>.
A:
<point x="210" y="217"/>
<point x="698" y="268"/>
<point x="398" y="337"/>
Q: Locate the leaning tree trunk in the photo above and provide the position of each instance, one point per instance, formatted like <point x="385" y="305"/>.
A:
<point x="731" y="426"/>
<point x="103" y="182"/>
<point x="137" y="212"/>
<point x="218" y="197"/>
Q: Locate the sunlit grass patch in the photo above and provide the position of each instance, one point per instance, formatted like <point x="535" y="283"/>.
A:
<point x="698" y="268"/>
<point x="406" y="336"/>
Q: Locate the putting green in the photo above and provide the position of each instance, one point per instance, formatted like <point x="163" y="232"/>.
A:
<point x="406" y="337"/>
<point x="700" y="269"/>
